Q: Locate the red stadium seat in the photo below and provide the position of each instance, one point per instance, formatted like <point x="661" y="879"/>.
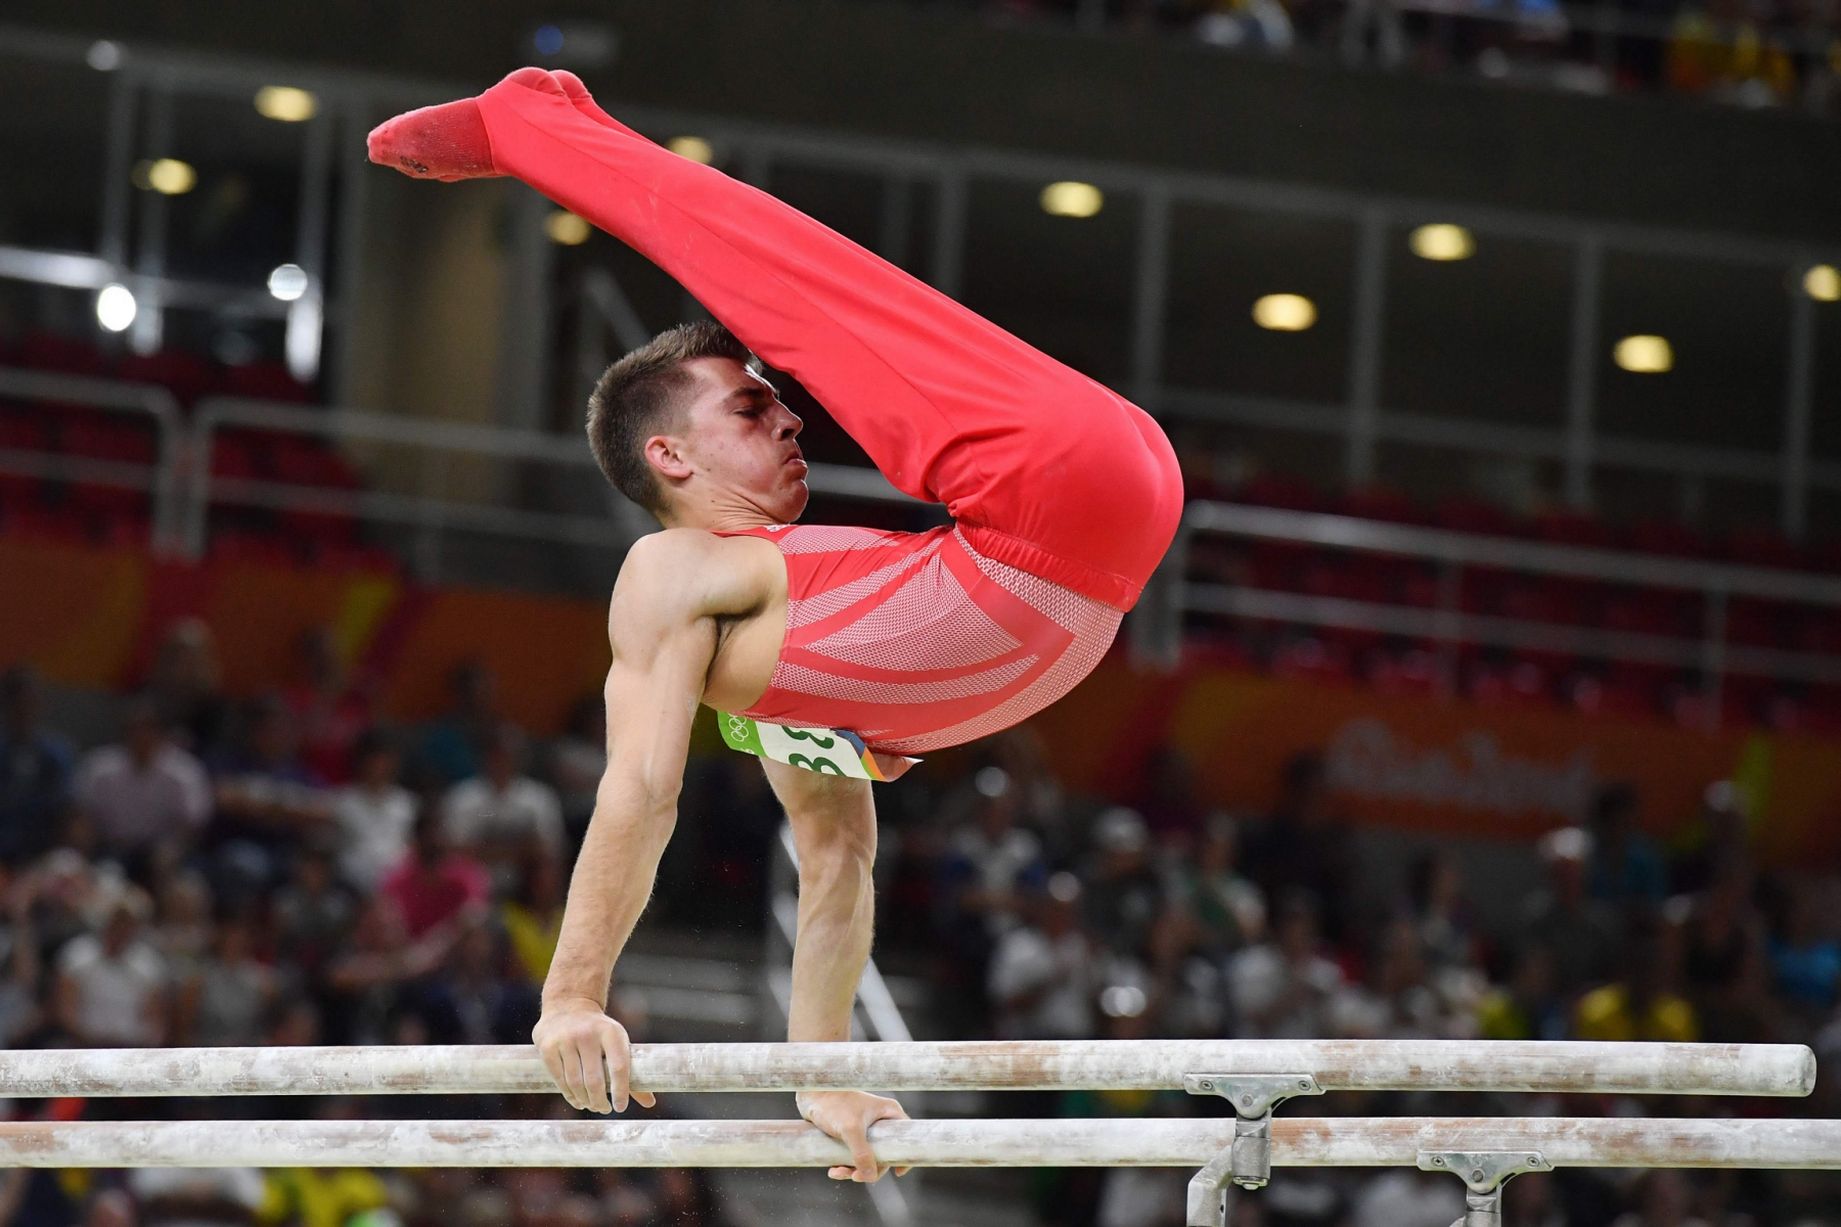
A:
<point x="187" y="376"/>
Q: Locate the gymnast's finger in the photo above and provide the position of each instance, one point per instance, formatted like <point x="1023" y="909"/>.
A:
<point x="594" y="1074"/>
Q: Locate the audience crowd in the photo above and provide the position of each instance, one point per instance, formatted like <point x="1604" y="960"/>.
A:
<point x="286" y="870"/>
<point x="1758" y="53"/>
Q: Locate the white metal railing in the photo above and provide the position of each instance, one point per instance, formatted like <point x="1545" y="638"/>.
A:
<point x="1717" y="584"/>
<point x="154" y="405"/>
<point x="439" y="443"/>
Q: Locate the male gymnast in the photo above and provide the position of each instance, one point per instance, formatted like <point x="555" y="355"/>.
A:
<point x="831" y="652"/>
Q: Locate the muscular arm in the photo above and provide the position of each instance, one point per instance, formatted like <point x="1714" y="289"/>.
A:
<point x="662" y="643"/>
<point x="834" y="830"/>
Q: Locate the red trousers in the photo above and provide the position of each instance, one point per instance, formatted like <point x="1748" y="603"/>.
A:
<point x="1042" y="467"/>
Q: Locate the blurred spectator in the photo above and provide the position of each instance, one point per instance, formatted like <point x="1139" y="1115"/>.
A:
<point x="503" y="814"/>
<point x="474" y="998"/>
<point x="182" y="928"/>
<point x="578" y="760"/>
<point x="1625" y="869"/>
<point x="266" y="796"/>
<point x="1580" y="933"/>
<point x="1284" y="988"/>
<point x="1397" y="1001"/>
<point x="35" y="767"/>
<point x="1250" y="25"/>
<point x="328" y="709"/>
<point x="313" y="912"/>
<point x="1805" y="958"/>
<point x="1167" y="799"/>
<point x="231" y="994"/>
<point x="991" y="858"/>
<point x="194" y="1196"/>
<point x="1124" y="894"/>
<point x="435" y="882"/>
<point x="1527" y="1007"/>
<point x="1721" y="937"/>
<point x="1304" y="846"/>
<point x="366" y="978"/>
<point x="1662" y="1201"/>
<point x="21" y="968"/>
<point x="533" y="916"/>
<point x="113" y="988"/>
<point x="1406" y="1197"/>
<point x="374" y="813"/>
<point x="1642" y="1004"/>
<point x="144" y="790"/>
<point x="1042" y="980"/>
<point x="1441" y="913"/>
<point x="1229" y="911"/>
<point x="1719" y="49"/>
<point x="1719" y="836"/>
<point x="454" y="746"/>
<point x="186" y="687"/>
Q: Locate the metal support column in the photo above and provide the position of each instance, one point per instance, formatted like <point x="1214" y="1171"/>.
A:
<point x="1369" y="297"/>
<point x="1798" y="408"/>
<point x="1582" y="370"/>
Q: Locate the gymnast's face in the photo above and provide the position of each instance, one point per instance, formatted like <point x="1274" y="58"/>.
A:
<point x="736" y="456"/>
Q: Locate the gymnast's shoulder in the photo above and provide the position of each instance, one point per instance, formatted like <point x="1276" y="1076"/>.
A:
<point x="678" y="572"/>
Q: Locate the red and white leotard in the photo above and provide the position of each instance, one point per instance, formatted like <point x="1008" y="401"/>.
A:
<point x="915" y="641"/>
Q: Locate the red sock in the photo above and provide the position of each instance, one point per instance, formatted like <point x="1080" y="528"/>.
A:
<point x="446" y="142"/>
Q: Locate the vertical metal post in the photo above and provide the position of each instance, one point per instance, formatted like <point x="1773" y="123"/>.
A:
<point x="1150" y="292"/>
<point x="354" y="205"/>
<point x="949" y="233"/>
<point x="897" y="218"/>
<point x="118" y="167"/>
<point x="1798" y="407"/>
<point x="1370" y="294"/>
<point x="146" y="334"/>
<point x="1713" y="656"/>
<point x="1152" y="633"/>
<point x="1582" y="370"/>
<point x="306" y="314"/>
<point x="525" y="341"/>
<point x="1450" y="601"/>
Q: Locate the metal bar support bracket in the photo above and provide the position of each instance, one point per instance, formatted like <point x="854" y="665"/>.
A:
<point x="1248" y="1162"/>
<point x="1483" y="1172"/>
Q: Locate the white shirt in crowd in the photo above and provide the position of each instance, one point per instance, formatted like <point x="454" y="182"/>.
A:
<point x="478" y="812"/>
<point x="132" y="808"/>
<point x="1259" y="977"/>
<point x="997" y="862"/>
<point x="115" y="995"/>
<point x="1028" y="960"/>
<point x="1405" y="1198"/>
<point x="374" y="831"/>
<point x="241" y="1187"/>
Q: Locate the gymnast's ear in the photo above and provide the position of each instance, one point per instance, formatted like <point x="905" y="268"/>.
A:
<point x="666" y="457"/>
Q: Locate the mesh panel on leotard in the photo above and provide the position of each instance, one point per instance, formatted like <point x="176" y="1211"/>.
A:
<point x="916" y="642"/>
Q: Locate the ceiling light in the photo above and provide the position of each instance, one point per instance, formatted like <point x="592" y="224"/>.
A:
<point x="167" y="176"/>
<point x="693" y="147"/>
<point x="1442" y="241"/>
<point x="103" y="55"/>
<point x="115" y="308"/>
<point x="1285" y="312"/>
<point x="288" y="282"/>
<point x="1070" y="199"/>
<point x="286" y="104"/>
<point x="566" y="228"/>
<point x="1823" y="283"/>
<point x="1644" y="355"/>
